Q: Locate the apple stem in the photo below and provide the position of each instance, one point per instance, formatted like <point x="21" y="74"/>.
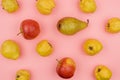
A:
<point x="19" y="33"/>
<point x="58" y="61"/>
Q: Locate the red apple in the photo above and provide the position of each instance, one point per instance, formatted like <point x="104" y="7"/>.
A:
<point x="66" y="68"/>
<point x="30" y="29"/>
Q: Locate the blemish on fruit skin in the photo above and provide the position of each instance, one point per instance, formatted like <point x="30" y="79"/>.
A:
<point x="108" y="25"/>
<point x="99" y="69"/>
<point x="18" y="76"/>
<point x="90" y="47"/>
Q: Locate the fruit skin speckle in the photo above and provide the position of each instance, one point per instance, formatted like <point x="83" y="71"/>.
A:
<point x="45" y="6"/>
<point x="102" y="72"/>
<point x="87" y="6"/>
<point x="10" y="5"/>
<point x="113" y="25"/>
<point x="44" y="48"/>
<point x="92" y="46"/>
<point x="10" y="49"/>
<point x="23" y="75"/>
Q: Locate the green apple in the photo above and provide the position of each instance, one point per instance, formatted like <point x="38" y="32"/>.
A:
<point x="44" y="48"/>
<point x="10" y="5"/>
<point x="92" y="46"/>
<point x="88" y="6"/>
<point x="23" y="75"/>
<point x="45" y="6"/>
<point x="10" y="49"/>
<point x="102" y="73"/>
<point x="113" y="25"/>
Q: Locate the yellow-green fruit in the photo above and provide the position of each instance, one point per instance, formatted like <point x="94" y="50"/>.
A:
<point x="10" y="5"/>
<point x="92" y="46"/>
<point x="88" y="6"/>
<point x="45" y="6"/>
<point x="102" y="73"/>
<point x="70" y="25"/>
<point x="113" y="25"/>
<point x="23" y="75"/>
<point x="10" y="49"/>
<point x="44" y="48"/>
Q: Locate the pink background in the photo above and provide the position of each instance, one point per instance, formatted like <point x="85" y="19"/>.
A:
<point x="44" y="68"/>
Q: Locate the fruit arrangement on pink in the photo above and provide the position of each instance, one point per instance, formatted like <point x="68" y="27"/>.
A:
<point x="32" y="32"/>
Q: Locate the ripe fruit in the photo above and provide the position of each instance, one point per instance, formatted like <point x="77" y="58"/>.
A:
<point x="92" y="46"/>
<point x="88" y="6"/>
<point x="22" y="75"/>
<point x="70" y="25"/>
<point x="10" y="49"/>
<point x="10" y="5"/>
<point x="44" y="48"/>
<point x="45" y="6"/>
<point x="30" y="29"/>
<point x="102" y="73"/>
<point x="113" y="25"/>
<point x="66" y="67"/>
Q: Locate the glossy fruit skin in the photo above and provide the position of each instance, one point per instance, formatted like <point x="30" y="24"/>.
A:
<point x="45" y="6"/>
<point x="44" y="48"/>
<point x="66" y="68"/>
<point x="92" y="46"/>
<point x="70" y="25"/>
<point x="23" y="75"/>
<point x="30" y="29"/>
<point x="10" y="5"/>
<point x="10" y="49"/>
<point x="88" y="6"/>
<point x="102" y="72"/>
<point x="113" y="25"/>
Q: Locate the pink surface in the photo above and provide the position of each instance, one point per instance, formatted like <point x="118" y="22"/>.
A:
<point x="64" y="46"/>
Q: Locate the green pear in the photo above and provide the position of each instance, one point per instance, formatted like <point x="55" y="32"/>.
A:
<point x="102" y="73"/>
<point x="23" y="75"/>
<point x="88" y="6"/>
<point x="92" y="46"/>
<point x="10" y="49"/>
<point x="70" y="25"/>
<point x="10" y="5"/>
<point x="113" y="25"/>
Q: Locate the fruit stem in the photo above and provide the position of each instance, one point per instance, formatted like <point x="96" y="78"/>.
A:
<point x="58" y="61"/>
<point x="19" y="33"/>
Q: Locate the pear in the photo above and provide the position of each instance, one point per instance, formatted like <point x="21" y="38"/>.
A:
<point x="10" y="5"/>
<point x="92" y="46"/>
<point x="44" y="48"/>
<point x="22" y="75"/>
<point x="113" y="25"/>
<point x="10" y="49"/>
<point x="71" y="25"/>
<point x="102" y="73"/>
<point x="88" y="6"/>
<point x="45" y="6"/>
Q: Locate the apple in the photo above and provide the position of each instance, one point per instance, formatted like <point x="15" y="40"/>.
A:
<point x="30" y="29"/>
<point x="66" y="67"/>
